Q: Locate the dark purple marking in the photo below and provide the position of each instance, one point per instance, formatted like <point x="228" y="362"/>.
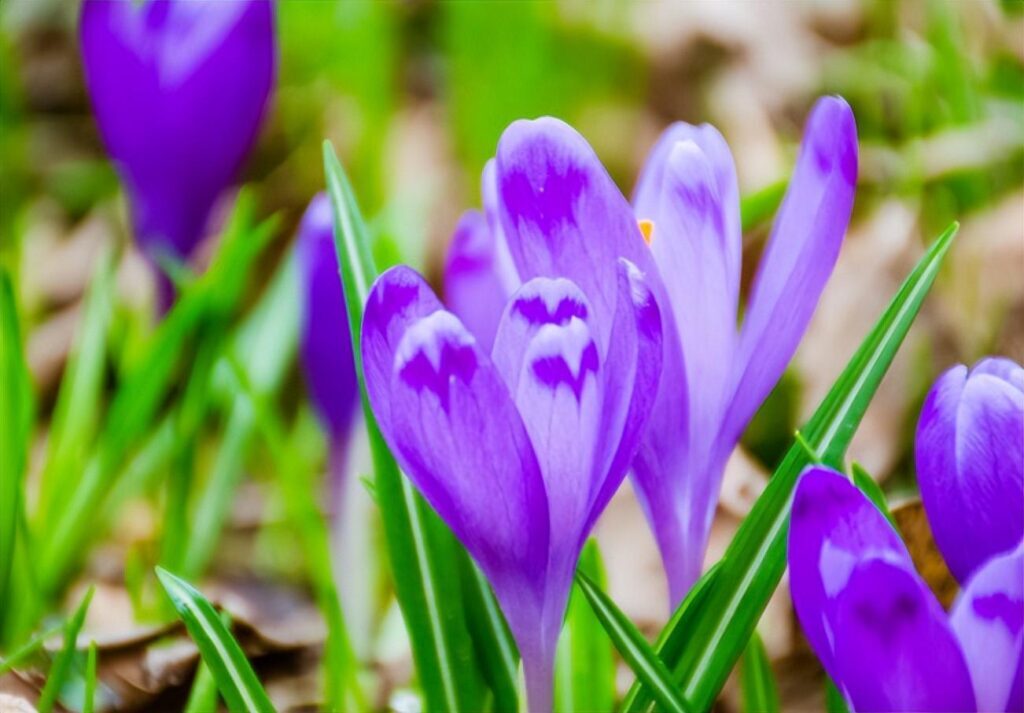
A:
<point x="545" y="200"/>
<point x="458" y="361"/>
<point x="1000" y="606"/>
<point x="536" y="311"/>
<point x="554" y="370"/>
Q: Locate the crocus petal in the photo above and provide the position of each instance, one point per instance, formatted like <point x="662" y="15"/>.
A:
<point x="179" y="90"/>
<point x="326" y="345"/>
<point x="562" y="214"/>
<point x="632" y="369"/>
<point x="473" y="289"/>
<point x="694" y="251"/>
<point x="894" y="648"/>
<point x="799" y="257"/>
<point x="456" y="433"/>
<point x="647" y="198"/>
<point x="970" y="463"/>
<point x="833" y="527"/>
<point x="398" y="299"/>
<point x="988" y="620"/>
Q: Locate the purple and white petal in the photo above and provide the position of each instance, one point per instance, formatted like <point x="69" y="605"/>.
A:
<point x="833" y="527"/>
<point x="798" y="259"/>
<point x="894" y="648"/>
<point x="562" y="214"/>
<point x="456" y="433"/>
<point x="398" y="299"/>
<point x="632" y="370"/>
<point x="473" y="289"/>
<point x="988" y="620"/>
<point x="970" y="463"/>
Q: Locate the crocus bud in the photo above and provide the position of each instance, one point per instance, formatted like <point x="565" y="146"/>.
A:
<point x="970" y="462"/>
<point x="326" y="348"/>
<point x="179" y="89"/>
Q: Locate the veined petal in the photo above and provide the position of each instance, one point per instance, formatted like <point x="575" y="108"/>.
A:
<point x="540" y="302"/>
<point x="473" y="288"/>
<point x="988" y="620"/>
<point x="458" y="436"/>
<point x="398" y="299"/>
<point x="562" y="214"/>
<point x="894" y="648"/>
<point x="696" y="257"/>
<point x="326" y="345"/>
<point x="969" y="451"/>
<point x="798" y="259"/>
<point x="833" y="527"/>
<point x="647" y="198"/>
<point x="632" y="370"/>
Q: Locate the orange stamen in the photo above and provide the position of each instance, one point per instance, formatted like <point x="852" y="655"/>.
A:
<point x="646" y="229"/>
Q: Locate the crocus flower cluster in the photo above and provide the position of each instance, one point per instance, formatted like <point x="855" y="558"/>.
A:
<point x="326" y="354"/>
<point x="686" y="207"/>
<point x="520" y="450"/>
<point x="880" y="633"/>
<point x="179" y="89"/>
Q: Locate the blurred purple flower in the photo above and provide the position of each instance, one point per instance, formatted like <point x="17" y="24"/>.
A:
<point x="688" y="192"/>
<point x="567" y="218"/>
<point x="970" y="462"/>
<point x="879" y="631"/>
<point x="326" y="343"/>
<point x="520" y="452"/>
<point x="179" y="89"/>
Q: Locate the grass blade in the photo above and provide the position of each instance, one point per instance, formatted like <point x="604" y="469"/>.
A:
<point x="719" y="629"/>
<point x="633" y="647"/>
<point x="760" y="694"/>
<point x="89" y="698"/>
<point x="584" y="668"/>
<point x="671" y="640"/>
<point x="863" y="480"/>
<point x="493" y="644"/>
<point x="421" y="550"/>
<point x="15" y="419"/>
<point x="62" y="663"/>
<point x="203" y="696"/>
<point x="236" y="680"/>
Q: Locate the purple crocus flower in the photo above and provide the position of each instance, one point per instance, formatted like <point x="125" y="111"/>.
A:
<point x="879" y="631"/>
<point x="970" y="462"/>
<point x="518" y="452"/>
<point x="688" y="192"/>
<point x="326" y="345"/>
<point x="179" y="89"/>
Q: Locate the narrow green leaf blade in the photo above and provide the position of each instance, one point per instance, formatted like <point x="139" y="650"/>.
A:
<point x="633" y="647"/>
<point x="62" y="663"/>
<point x="235" y="678"/>
<point x="760" y="694"/>
<point x="863" y="480"/>
<point x="756" y="558"/>
<point x="15" y="406"/>
<point x="584" y="666"/>
<point x="89" y="701"/>
<point x="671" y="640"/>
<point x="421" y="550"/>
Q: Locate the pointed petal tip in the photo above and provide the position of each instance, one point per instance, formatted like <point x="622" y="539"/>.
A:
<point x="831" y="134"/>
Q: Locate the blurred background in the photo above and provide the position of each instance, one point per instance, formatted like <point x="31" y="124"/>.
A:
<point x="414" y="96"/>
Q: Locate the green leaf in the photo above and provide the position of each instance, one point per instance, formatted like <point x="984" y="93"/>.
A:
<point x="89" y="699"/>
<point x="633" y="647"/>
<point x="143" y="389"/>
<point x="493" y="644"/>
<point x="671" y="640"/>
<point x="754" y="562"/>
<point x="421" y="550"/>
<point x="757" y="207"/>
<point x="834" y="701"/>
<point x="863" y="480"/>
<point x="28" y="650"/>
<point x="62" y="663"/>
<point x="74" y="419"/>
<point x="15" y="409"/>
<point x="760" y="694"/>
<point x="236" y="680"/>
<point x="202" y="698"/>
<point x="584" y="667"/>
